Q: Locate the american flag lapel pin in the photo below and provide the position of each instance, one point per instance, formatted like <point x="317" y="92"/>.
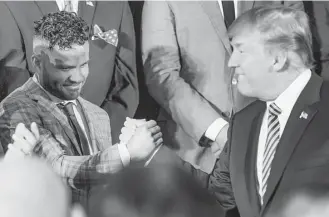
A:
<point x="90" y="3"/>
<point x="303" y="115"/>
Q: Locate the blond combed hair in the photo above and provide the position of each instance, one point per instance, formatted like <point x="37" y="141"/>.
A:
<point x="282" y="29"/>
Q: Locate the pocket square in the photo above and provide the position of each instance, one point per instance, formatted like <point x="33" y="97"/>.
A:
<point x="110" y="36"/>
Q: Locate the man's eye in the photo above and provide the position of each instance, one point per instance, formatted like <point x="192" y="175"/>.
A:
<point x="64" y="68"/>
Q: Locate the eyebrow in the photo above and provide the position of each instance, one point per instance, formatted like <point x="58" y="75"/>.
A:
<point x="61" y="64"/>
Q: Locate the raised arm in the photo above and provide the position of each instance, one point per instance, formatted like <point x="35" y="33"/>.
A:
<point x="78" y="171"/>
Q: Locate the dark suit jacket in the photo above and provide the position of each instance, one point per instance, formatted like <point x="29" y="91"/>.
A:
<point x="112" y="82"/>
<point x="301" y="160"/>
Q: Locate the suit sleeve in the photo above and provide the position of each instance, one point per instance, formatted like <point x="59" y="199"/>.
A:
<point x="79" y="172"/>
<point x="162" y="68"/>
<point x="219" y="182"/>
<point x="13" y="64"/>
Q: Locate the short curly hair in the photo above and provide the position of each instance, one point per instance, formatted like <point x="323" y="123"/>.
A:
<point x="62" y="28"/>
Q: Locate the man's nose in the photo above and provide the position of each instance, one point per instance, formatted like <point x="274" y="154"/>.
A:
<point x="77" y="76"/>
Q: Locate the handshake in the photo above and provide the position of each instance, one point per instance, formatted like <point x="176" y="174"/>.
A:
<point x="142" y="138"/>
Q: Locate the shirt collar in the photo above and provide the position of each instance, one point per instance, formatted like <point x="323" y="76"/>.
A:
<point x="53" y="98"/>
<point x="287" y="99"/>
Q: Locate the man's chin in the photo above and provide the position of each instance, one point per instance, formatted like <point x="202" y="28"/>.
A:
<point x="244" y="91"/>
<point x="71" y="95"/>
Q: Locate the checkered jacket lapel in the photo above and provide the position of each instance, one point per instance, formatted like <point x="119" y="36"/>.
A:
<point x="98" y="123"/>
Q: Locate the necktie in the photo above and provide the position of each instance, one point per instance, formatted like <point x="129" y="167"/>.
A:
<point x="68" y="6"/>
<point x="82" y="139"/>
<point x="229" y="12"/>
<point x="272" y="140"/>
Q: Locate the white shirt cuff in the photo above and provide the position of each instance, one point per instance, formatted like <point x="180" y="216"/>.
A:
<point x="214" y="129"/>
<point x="124" y="154"/>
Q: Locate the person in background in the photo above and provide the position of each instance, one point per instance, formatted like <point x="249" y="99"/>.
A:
<point x="75" y="135"/>
<point x="319" y="13"/>
<point x="112" y="85"/>
<point x="185" y="50"/>
<point x="147" y="107"/>
<point x="29" y="188"/>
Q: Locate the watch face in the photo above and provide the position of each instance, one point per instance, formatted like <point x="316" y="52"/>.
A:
<point x="205" y="142"/>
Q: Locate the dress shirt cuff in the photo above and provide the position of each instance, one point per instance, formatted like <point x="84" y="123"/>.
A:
<point x="214" y="129"/>
<point x="124" y="154"/>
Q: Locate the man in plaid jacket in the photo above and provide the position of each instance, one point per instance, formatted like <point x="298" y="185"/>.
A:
<point x="79" y="151"/>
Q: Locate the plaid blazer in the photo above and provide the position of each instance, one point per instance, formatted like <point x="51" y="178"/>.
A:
<point x="30" y="103"/>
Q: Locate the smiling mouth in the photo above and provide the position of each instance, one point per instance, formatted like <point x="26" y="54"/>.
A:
<point x="73" y="87"/>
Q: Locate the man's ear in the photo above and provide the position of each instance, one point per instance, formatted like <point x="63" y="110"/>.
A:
<point x="280" y="61"/>
<point x="78" y="211"/>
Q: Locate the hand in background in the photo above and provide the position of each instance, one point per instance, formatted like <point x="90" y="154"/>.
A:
<point x="24" y="141"/>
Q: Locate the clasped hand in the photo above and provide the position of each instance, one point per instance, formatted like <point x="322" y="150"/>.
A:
<point x="24" y="141"/>
<point x="141" y="137"/>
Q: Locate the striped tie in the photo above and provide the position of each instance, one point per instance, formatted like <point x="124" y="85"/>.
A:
<point x="273" y="138"/>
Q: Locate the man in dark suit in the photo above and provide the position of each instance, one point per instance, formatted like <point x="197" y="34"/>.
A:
<point x="280" y="142"/>
<point x="112" y="83"/>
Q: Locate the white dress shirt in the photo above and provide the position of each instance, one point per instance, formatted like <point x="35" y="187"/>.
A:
<point x="285" y="101"/>
<point x="61" y="5"/>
